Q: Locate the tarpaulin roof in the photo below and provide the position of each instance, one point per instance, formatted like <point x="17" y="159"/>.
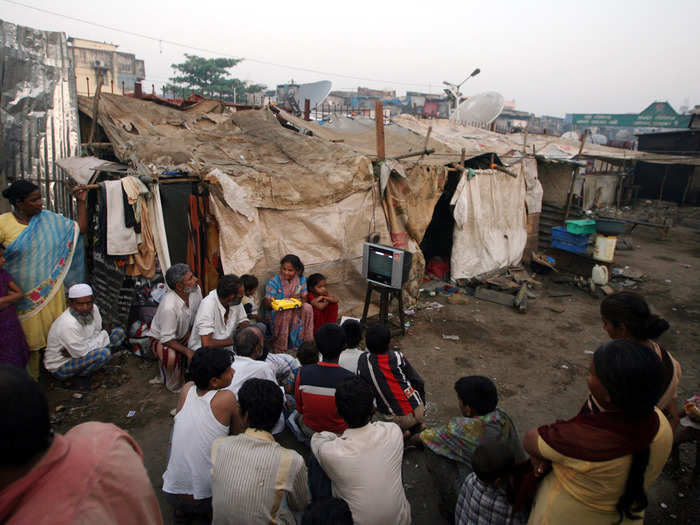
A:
<point x="278" y="168"/>
<point x="477" y="141"/>
<point x="359" y="134"/>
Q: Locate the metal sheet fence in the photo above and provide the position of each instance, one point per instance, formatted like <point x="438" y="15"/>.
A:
<point x="38" y="111"/>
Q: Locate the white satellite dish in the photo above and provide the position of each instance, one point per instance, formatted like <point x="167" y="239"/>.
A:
<point x="480" y="109"/>
<point x="571" y="135"/>
<point x="316" y="92"/>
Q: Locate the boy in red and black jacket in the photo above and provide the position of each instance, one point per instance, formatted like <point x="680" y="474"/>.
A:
<point x="399" y="390"/>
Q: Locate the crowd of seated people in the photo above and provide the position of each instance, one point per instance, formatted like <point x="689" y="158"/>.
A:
<point x="243" y="372"/>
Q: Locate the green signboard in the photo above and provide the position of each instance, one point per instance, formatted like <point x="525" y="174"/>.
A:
<point x="657" y="115"/>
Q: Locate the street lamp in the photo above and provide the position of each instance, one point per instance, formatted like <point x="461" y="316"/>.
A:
<point x="453" y="92"/>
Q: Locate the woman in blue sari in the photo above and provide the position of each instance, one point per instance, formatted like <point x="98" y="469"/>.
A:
<point x="43" y="250"/>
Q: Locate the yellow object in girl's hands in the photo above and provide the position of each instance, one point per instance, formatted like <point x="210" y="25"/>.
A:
<point x="285" y="304"/>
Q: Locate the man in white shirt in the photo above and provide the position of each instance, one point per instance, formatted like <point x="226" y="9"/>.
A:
<point x="364" y="463"/>
<point x="249" y="347"/>
<point x="77" y="345"/>
<point x="219" y="314"/>
<point x="170" y="327"/>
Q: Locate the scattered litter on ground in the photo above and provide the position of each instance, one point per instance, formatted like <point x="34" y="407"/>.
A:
<point x="59" y="408"/>
<point x="77" y="395"/>
<point x="131" y="413"/>
<point x="556" y="309"/>
<point x="667" y="281"/>
<point x="457" y="298"/>
<point x="565" y="367"/>
<point x="155" y="381"/>
<point x="173" y="412"/>
<point x="588" y="351"/>
<point x="663" y="505"/>
<point x="437" y="348"/>
<point x="451" y="337"/>
<point x="410" y="312"/>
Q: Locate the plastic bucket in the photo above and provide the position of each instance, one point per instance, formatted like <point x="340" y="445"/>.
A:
<point x="604" y="248"/>
<point x="599" y="275"/>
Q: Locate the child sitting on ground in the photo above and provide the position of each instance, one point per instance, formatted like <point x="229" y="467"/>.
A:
<point x="307" y="354"/>
<point x="449" y="448"/>
<point x="325" y="305"/>
<point x="13" y="346"/>
<point x="250" y="288"/>
<point x="487" y="495"/>
<point x="398" y="387"/>
<point x="353" y="336"/>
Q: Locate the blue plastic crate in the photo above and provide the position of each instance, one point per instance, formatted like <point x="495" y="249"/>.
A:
<point x="568" y="247"/>
<point x="559" y="233"/>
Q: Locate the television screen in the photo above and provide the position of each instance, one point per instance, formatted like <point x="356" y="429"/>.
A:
<point x="381" y="263"/>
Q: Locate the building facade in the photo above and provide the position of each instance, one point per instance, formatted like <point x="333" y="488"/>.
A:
<point x="120" y="71"/>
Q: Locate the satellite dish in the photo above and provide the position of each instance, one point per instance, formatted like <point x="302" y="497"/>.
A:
<point x="571" y="135"/>
<point x="316" y="92"/>
<point x="480" y="109"/>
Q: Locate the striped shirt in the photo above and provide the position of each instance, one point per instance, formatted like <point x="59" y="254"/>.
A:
<point x="398" y="387"/>
<point x="314" y="392"/>
<point x="256" y="481"/>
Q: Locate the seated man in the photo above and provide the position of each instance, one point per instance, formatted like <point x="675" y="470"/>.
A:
<point x="92" y="474"/>
<point x="314" y="389"/>
<point x="364" y="464"/>
<point x="77" y="345"/>
<point x="254" y="479"/>
<point x="449" y="448"/>
<point x="399" y="389"/>
<point x="220" y="313"/>
<point x="249" y="348"/>
<point x="170" y="328"/>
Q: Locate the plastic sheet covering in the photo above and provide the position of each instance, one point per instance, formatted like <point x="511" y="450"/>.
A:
<point x="490" y="230"/>
<point x="38" y="110"/>
<point x="279" y="168"/>
<point x="328" y="239"/>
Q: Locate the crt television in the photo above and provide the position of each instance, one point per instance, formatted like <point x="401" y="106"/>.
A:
<point x="385" y="265"/>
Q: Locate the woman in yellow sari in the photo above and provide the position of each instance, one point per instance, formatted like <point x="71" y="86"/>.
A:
<point x="43" y="249"/>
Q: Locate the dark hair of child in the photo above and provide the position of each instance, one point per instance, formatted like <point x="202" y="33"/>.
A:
<point x="313" y="281"/>
<point x="330" y="341"/>
<point x="353" y="333"/>
<point x="354" y="399"/>
<point x="262" y="400"/>
<point x="492" y="460"/>
<point x="208" y="363"/>
<point x="477" y="392"/>
<point x="307" y="354"/>
<point x="295" y="262"/>
<point x="377" y="338"/>
<point x="250" y="282"/>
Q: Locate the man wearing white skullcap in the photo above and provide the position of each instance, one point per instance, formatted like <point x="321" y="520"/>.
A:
<point x="77" y="345"/>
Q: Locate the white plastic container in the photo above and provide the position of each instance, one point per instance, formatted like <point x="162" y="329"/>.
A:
<point x="604" y="248"/>
<point x="599" y="276"/>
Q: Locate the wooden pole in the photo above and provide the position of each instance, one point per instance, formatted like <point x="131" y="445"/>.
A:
<point x="88" y="85"/>
<point x="95" y="108"/>
<point x="123" y="84"/>
<point x="307" y="109"/>
<point x="379" y="123"/>
<point x="687" y="187"/>
<point x="663" y="183"/>
<point x="570" y="195"/>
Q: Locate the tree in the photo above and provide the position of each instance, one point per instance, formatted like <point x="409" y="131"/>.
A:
<point x="208" y="77"/>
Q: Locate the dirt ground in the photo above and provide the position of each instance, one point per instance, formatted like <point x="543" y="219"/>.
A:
<point x="538" y="360"/>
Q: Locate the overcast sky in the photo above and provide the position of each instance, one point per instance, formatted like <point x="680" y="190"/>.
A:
<point x="552" y="57"/>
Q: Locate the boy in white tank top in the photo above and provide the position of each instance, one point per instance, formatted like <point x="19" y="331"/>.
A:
<point x="205" y="412"/>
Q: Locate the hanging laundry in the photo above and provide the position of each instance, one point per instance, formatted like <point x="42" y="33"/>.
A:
<point x="120" y="239"/>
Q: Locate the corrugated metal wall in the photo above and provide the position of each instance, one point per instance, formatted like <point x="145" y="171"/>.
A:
<point x="38" y="111"/>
